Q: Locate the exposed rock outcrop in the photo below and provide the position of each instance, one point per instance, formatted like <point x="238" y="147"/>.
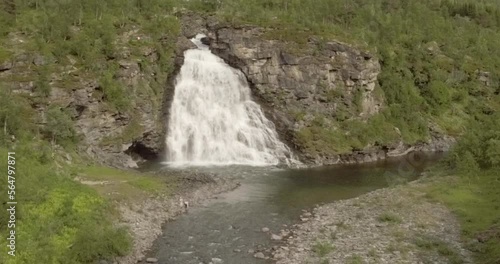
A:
<point x="111" y="136"/>
<point x="301" y="81"/>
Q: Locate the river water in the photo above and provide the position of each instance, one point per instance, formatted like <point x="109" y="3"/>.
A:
<point x="228" y="227"/>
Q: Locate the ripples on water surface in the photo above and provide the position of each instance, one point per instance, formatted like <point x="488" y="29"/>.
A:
<point x="227" y="227"/>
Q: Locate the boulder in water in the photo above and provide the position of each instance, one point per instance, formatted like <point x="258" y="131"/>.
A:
<point x="259" y="255"/>
<point x="276" y="237"/>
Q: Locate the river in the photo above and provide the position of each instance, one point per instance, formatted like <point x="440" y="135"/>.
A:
<point x="229" y="227"/>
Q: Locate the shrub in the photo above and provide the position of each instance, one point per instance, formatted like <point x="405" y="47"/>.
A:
<point x="113" y="91"/>
<point x="59" y="127"/>
<point x="389" y="217"/>
<point x="15" y="115"/>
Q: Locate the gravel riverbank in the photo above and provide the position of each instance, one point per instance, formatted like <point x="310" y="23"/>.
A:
<point x="391" y="225"/>
<point x="146" y="218"/>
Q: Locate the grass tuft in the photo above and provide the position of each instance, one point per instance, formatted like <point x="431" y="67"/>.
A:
<point x="322" y="248"/>
<point x="389" y="218"/>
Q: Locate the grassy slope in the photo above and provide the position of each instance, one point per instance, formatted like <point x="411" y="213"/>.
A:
<point x="476" y="202"/>
<point x="58" y="220"/>
<point x="474" y="193"/>
<point x="124" y="186"/>
<point x="63" y="221"/>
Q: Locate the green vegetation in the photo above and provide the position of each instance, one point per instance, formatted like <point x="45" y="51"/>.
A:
<point x="444" y="71"/>
<point x="475" y="202"/>
<point x="474" y="195"/>
<point x="59" y="127"/>
<point x="430" y="71"/>
<point x="113" y="91"/>
<point x="58" y="219"/>
<point x="131" y="131"/>
<point x="332" y="138"/>
<point x="322" y="248"/>
<point x="62" y="221"/>
<point x="355" y="259"/>
<point x="389" y="218"/>
<point x="124" y="186"/>
<point x="442" y="248"/>
<point x="91" y="36"/>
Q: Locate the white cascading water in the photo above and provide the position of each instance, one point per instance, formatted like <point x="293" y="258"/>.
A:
<point x="213" y="120"/>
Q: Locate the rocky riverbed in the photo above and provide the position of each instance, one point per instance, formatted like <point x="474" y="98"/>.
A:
<point x="146" y="217"/>
<point x="391" y="225"/>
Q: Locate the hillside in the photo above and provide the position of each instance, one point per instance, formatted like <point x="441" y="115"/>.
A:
<point x="88" y="83"/>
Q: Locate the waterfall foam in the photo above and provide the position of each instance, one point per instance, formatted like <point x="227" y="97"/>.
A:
<point x="213" y="120"/>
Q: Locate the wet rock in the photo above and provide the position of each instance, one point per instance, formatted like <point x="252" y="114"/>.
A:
<point x="184" y="44"/>
<point x="251" y="251"/>
<point x="284" y="233"/>
<point x="5" y="66"/>
<point x="151" y="260"/>
<point x="265" y="229"/>
<point x="206" y="41"/>
<point x="259" y="255"/>
<point x="217" y="261"/>
<point x="276" y="237"/>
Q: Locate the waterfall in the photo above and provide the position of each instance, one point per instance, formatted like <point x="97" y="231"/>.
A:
<point x="213" y="120"/>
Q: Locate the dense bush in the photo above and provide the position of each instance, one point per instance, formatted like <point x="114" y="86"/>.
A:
<point x="59" y="127"/>
<point x="480" y="145"/>
<point x="15" y="116"/>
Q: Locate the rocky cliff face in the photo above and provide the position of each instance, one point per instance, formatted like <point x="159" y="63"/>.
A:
<point x="295" y="83"/>
<point x="305" y="81"/>
<point x="299" y="83"/>
<point x="108" y="135"/>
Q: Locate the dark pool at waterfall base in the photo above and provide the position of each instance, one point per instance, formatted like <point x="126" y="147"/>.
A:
<point x="227" y="227"/>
